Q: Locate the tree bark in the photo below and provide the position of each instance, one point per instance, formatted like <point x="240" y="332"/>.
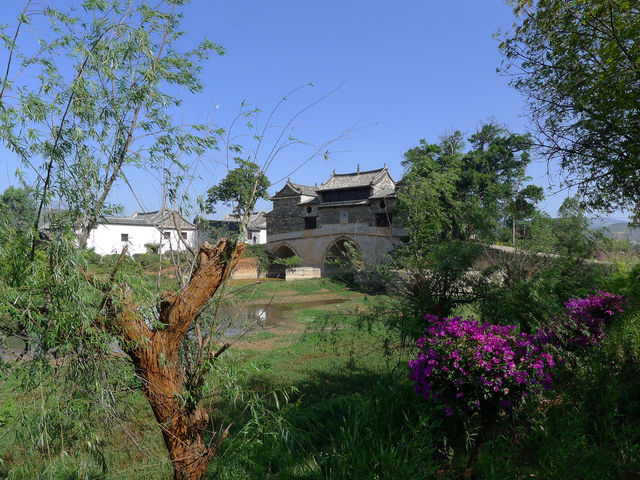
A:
<point x="154" y="353"/>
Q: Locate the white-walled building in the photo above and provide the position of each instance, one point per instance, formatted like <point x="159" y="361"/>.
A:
<point x="256" y="229"/>
<point x="162" y="230"/>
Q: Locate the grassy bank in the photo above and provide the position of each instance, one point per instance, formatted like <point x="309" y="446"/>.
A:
<point x="316" y="399"/>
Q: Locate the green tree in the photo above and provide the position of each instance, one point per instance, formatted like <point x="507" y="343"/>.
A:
<point x="92" y="103"/>
<point x="577" y="62"/>
<point x="240" y="189"/>
<point x="448" y="193"/>
<point x="573" y="236"/>
<point x="523" y="206"/>
<point x="106" y="81"/>
<point x="451" y="201"/>
<point x="18" y="207"/>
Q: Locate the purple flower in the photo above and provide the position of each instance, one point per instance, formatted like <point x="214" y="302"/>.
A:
<point x="474" y="366"/>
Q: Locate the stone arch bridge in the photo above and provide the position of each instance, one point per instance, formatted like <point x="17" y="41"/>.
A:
<point x="327" y="250"/>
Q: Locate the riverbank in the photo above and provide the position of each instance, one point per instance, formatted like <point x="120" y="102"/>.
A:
<point x="311" y="396"/>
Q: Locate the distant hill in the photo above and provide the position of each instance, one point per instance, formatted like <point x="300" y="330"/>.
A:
<point x="616" y="228"/>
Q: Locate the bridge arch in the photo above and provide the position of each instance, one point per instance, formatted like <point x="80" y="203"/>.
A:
<point x="283" y="250"/>
<point x="342" y="255"/>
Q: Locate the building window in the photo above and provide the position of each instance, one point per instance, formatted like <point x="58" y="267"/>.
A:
<point x="183" y="235"/>
<point x="249" y="236"/>
<point x="308" y="209"/>
<point x="166" y="235"/>
<point x="347" y="194"/>
<point x="124" y="237"/>
<point x="382" y="204"/>
<point x="310" y="223"/>
<point x="383" y="219"/>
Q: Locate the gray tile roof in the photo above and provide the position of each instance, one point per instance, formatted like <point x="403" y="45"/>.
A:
<point x="294" y="189"/>
<point x="257" y="221"/>
<point x="304" y="189"/>
<point x="339" y="181"/>
<point x="164" y="218"/>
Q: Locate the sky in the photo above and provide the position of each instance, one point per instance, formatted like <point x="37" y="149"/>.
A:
<point x="385" y="74"/>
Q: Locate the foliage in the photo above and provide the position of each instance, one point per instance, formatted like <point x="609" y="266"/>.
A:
<point x="343" y="420"/>
<point x="93" y="102"/>
<point x="240" y="189"/>
<point x="522" y="206"/>
<point x="451" y="201"/>
<point x="531" y="288"/>
<point x="152" y="247"/>
<point x="577" y="63"/>
<point x="472" y="367"/>
<point x="571" y="231"/>
<point x="553" y="263"/>
<point x="288" y="262"/>
<point x="464" y="193"/>
<point x="214" y="230"/>
<point x="96" y="98"/>
<point x="589" y="427"/>
<point x="18" y="208"/>
<point x="625" y="279"/>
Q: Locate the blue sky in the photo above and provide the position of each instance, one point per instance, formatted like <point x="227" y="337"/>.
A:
<point x="406" y="70"/>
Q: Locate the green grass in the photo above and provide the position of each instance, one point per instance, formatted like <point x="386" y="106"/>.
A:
<point x="265" y="288"/>
<point x="326" y="404"/>
<point x="259" y="336"/>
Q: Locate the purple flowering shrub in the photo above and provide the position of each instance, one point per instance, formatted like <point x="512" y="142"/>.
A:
<point x="469" y="366"/>
<point x="585" y="320"/>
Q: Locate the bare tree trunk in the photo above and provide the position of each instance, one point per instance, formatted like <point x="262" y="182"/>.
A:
<point x="513" y="230"/>
<point x="154" y="354"/>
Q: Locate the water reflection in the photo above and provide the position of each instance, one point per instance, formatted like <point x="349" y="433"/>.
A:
<point x="243" y="318"/>
<point x="12" y="347"/>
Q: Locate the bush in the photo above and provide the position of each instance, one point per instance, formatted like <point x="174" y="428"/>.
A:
<point x="288" y="262"/>
<point x="473" y="367"/>
<point x="148" y="259"/>
<point x="91" y="257"/>
<point x="585" y="320"/>
<point x="534" y="290"/>
<point x="152" y="247"/>
<point x="469" y="367"/>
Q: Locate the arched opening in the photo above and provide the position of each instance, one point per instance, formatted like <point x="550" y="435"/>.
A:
<point x="276" y="270"/>
<point x="342" y="257"/>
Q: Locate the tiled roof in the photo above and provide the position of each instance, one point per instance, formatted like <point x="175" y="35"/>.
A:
<point x="257" y="221"/>
<point x="294" y="189"/>
<point x="339" y="181"/>
<point x="304" y="189"/>
<point x="164" y="218"/>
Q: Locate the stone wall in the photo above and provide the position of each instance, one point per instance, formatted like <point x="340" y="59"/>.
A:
<point x="328" y="216"/>
<point x="360" y="214"/>
<point x="301" y="273"/>
<point x="285" y="216"/>
<point x="246" y="268"/>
